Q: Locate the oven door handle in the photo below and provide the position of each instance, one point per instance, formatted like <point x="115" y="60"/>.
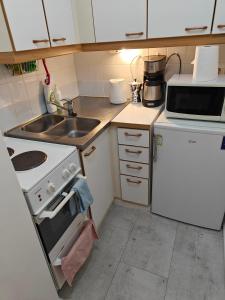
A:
<point x="51" y="214"/>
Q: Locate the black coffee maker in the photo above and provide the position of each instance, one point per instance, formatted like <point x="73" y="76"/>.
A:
<point x="154" y="82"/>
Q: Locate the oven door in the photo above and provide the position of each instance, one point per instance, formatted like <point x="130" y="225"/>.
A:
<point x="195" y="102"/>
<point x="57" y="217"/>
<point x="59" y="225"/>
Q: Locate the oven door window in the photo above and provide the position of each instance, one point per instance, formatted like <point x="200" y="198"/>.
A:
<point x="51" y="230"/>
<point x="195" y="100"/>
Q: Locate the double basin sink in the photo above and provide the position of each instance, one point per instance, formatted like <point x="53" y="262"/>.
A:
<point x="56" y="125"/>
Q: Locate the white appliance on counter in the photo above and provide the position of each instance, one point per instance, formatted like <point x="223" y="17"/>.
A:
<point x="189" y="99"/>
<point x="189" y="171"/>
<point x="46" y="173"/>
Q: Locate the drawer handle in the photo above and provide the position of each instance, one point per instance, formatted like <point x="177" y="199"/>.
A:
<point x="134" y="181"/>
<point x="132" y="151"/>
<point x="135" y="168"/>
<point x="40" y="41"/>
<point x="134" y="33"/>
<point x="196" y="28"/>
<point x="93" y="148"/>
<point x="221" y="26"/>
<point x="133" y="134"/>
<point x="59" y="39"/>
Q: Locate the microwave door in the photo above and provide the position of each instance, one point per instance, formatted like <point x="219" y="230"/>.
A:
<point x="194" y="102"/>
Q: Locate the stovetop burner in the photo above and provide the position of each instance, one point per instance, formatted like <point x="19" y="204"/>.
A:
<point x="28" y="160"/>
<point x="10" y="151"/>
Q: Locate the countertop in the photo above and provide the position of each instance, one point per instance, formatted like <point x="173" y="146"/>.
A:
<point x="135" y="115"/>
<point x="91" y="107"/>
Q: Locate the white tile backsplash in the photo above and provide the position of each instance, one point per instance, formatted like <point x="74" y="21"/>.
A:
<point x="21" y="97"/>
<point x="94" y="69"/>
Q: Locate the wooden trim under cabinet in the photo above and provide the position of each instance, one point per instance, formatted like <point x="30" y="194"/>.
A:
<point x="21" y="56"/>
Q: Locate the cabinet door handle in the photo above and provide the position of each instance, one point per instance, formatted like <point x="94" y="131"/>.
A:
<point x="134" y="33"/>
<point x="133" y="134"/>
<point x="196" y="28"/>
<point x="133" y="151"/>
<point x="62" y="39"/>
<point x="40" y="41"/>
<point x="221" y="26"/>
<point x="133" y="167"/>
<point x="93" y="148"/>
<point x="134" y="181"/>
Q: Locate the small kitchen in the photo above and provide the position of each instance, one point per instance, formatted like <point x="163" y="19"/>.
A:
<point x="112" y="149"/>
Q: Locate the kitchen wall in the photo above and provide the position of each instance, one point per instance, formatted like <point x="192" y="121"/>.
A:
<point x="21" y="97"/>
<point x="94" y="69"/>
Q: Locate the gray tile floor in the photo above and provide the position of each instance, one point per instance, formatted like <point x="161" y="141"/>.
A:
<point x="142" y="256"/>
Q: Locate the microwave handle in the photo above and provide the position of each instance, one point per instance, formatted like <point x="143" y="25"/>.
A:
<point x="51" y="214"/>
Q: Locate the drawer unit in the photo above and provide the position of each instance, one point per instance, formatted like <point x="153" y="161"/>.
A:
<point x="136" y="154"/>
<point x="134" y="169"/>
<point x="134" y="137"/>
<point x="134" y="189"/>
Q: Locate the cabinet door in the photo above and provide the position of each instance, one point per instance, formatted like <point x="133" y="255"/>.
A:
<point x="219" y="19"/>
<point x="60" y="21"/>
<point x="27" y="24"/>
<point x="5" y="44"/>
<point x="179" y="17"/>
<point x="97" y="166"/>
<point x="119" y="20"/>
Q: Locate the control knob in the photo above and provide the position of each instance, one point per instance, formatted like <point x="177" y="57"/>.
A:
<point x="51" y="188"/>
<point x="72" y="167"/>
<point x="66" y="173"/>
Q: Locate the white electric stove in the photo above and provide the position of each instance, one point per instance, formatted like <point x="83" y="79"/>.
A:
<point x="43" y="169"/>
<point x="47" y="173"/>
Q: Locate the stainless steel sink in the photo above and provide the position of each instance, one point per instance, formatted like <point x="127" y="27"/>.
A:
<point x="74" y="127"/>
<point x="43" y="123"/>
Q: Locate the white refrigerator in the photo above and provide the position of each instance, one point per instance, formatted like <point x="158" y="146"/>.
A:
<point x="188" y="182"/>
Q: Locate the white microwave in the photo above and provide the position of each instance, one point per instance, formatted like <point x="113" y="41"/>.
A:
<point x="188" y="99"/>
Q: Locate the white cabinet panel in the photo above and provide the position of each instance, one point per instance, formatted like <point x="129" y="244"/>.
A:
<point x="219" y="19"/>
<point x="134" y="189"/>
<point x="119" y="20"/>
<point x="27" y="23"/>
<point x="59" y="16"/>
<point x="5" y="44"/>
<point x="179" y="17"/>
<point x="131" y="153"/>
<point x="135" y="137"/>
<point x="98" y="169"/>
<point x="134" y="169"/>
<point x="83" y="20"/>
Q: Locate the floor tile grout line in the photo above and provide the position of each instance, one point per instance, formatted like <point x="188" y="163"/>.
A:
<point x="171" y="261"/>
<point x="120" y="260"/>
<point x="141" y="269"/>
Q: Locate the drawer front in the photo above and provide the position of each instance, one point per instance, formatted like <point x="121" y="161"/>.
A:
<point x="137" y="154"/>
<point x="133" y="137"/>
<point x="135" y="189"/>
<point x="134" y="169"/>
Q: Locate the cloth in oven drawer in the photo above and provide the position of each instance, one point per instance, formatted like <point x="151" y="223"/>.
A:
<point x="79" y="253"/>
<point x="83" y="194"/>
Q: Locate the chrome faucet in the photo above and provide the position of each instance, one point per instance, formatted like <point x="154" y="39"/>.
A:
<point x="68" y="108"/>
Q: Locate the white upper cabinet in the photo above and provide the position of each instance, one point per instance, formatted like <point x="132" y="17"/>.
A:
<point x="219" y="19"/>
<point x="120" y="20"/>
<point x="27" y="24"/>
<point x="179" y="17"/>
<point x="59" y="15"/>
<point x="5" y="43"/>
<point x="83" y="20"/>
